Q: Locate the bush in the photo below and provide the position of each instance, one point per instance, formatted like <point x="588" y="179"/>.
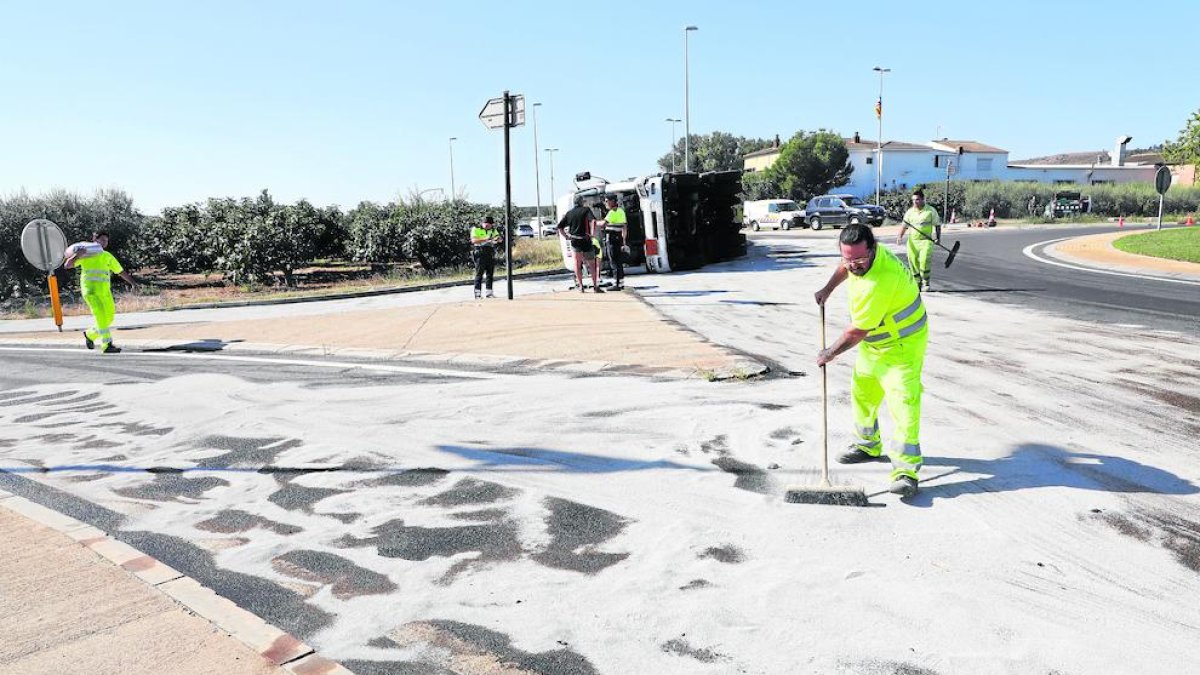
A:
<point x="1011" y="200"/>
<point x="78" y="217"/>
<point x="434" y="234"/>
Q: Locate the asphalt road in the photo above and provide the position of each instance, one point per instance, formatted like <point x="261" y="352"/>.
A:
<point x="992" y="265"/>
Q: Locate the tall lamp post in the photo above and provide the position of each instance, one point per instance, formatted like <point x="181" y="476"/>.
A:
<point x="551" y="151"/>
<point x="453" y="194"/>
<point x="879" y="147"/>
<point x="537" y="175"/>
<point x="687" y="120"/>
<point x="674" y="154"/>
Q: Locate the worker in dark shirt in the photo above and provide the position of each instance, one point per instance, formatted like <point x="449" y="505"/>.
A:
<point x="579" y="226"/>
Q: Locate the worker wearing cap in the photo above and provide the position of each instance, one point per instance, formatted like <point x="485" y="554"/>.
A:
<point x="927" y="228"/>
<point x="95" y="281"/>
<point x="484" y="238"/>
<point x="888" y="324"/>
<point x="616" y="231"/>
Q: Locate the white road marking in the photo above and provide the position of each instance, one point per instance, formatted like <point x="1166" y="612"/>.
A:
<point x="342" y="365"/>
<point x="1028" y="251"/>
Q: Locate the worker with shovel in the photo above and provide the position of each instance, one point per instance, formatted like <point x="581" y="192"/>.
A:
<point x="888" y="325"/>
<point x="96" y="267"/>
<point x="927" y="229"/>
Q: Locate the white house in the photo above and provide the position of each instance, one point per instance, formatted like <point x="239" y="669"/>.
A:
<point x="907" y="164"/>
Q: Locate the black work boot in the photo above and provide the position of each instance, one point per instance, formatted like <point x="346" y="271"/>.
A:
<point x="87" y="341"/>
<point x="856" y="455"/>
<point x="905" y="486"/>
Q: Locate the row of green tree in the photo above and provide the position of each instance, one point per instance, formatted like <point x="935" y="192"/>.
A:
<point x="246" y="240"/>
<point x="810" y="163"/>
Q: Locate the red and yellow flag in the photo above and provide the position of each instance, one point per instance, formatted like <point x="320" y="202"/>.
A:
<point x="879" y="109"/>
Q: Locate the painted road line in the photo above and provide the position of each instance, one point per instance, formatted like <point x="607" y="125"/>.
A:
<point x="1028" y="251"/>
<point x="340" y="365"/>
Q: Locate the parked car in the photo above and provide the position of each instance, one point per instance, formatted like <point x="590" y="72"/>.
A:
<point x="525" y="230"/>
<point x="547" y="228"/>
<point x="781" y="214"/>
<point x="840" y="210"/>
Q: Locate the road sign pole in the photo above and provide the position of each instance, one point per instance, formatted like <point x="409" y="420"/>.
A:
<point x="508" y="226"/>
<point x="55" y="302"/>
<point x="1160" y="211"/>
<point x="1162" y="183"/>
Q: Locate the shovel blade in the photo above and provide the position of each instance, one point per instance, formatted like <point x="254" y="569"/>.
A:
<point x="953" y="252"/>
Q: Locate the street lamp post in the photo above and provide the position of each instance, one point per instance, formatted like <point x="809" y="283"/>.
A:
<point x="687" y="120"/>
<point x="537" y="175"/>
<point x="551" y="152"/>
<point x="453" y="194"/>
<point x="674" y="154"/>
<point x="879" y="147"/>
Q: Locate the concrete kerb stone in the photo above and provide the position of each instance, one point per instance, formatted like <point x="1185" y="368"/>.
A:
<point x="268" y="641"/>
<point x="352" y="294"/>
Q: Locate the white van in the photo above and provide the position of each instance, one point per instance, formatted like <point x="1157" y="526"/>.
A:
<point x="781" y="214"/>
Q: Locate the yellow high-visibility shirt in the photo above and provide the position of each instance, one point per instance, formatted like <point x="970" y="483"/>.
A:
<point x="923" y="220"/>
<point x="95" y="272"/>
<point x="885" y="300"/>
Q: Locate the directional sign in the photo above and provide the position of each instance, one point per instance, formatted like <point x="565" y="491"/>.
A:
<point x="43" y="244"/>
<point x="1162" y="180"/>
<point x="951" y="169"/>
<point x="492" y="114"/>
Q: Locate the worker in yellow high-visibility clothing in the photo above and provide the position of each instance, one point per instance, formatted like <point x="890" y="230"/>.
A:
<point x="95" y="280"/>
<point x="927" y="228"/>
<point x="888" y="324"/>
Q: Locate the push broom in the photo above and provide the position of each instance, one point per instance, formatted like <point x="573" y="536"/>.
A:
<point x="826" y="492"/>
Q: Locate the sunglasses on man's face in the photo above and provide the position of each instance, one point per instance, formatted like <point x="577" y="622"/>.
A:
<point x="857" y="262"/>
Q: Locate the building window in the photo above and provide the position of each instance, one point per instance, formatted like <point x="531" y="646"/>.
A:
<point x="870" y="160"/>
<point x="983" y="164"/>
<point x="936" y="160"/>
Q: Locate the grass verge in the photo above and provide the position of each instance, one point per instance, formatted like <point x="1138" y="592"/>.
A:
<point x="1175" y="244"/>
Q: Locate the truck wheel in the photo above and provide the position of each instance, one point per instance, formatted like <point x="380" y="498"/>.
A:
<point x="785" y="224"/>
<point x="814" y="222"/>
<point x="754" y="225"/>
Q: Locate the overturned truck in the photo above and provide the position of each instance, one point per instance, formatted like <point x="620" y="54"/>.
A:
<point x="677" y="221"/>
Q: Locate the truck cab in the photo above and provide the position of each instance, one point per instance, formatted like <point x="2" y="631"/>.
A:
<point x="676" y="221"/>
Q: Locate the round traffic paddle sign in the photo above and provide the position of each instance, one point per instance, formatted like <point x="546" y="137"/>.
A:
<point x="43" y="244"/>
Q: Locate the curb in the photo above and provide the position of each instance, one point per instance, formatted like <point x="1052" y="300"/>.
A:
<point x="274" y="645"/>
<point x="350" y="295"/>
<point x="504" y="364"/>
<point x="1129" y="264"/>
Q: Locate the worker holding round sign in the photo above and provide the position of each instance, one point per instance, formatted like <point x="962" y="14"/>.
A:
<point x="96" y="267"/>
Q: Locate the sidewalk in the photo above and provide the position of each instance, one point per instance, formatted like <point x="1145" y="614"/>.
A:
<point x="548" y="330"/>
<point x="72" y="600"/>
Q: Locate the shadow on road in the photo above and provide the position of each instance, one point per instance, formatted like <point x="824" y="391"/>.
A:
<point x="1036" y="466"/>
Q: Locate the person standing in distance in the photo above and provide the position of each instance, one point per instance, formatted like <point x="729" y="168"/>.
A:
<point x="484" y="238"/>
<point x="927" y="228"/>
<point x="578" y="225"/>
<point x="95" y="282"/>
<point x="888" y="324"/>
<point x="616" y="231"/>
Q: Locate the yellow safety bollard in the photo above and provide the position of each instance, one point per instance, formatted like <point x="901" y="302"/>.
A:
<point x="54" y="301"/>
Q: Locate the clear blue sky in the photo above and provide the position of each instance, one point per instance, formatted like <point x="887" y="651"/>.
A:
<point x="341" y="102"/>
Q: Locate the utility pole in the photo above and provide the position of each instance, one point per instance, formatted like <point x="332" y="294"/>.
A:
<point x="551" y="151"/>
<point x="453" y="194"/>
<point x="879" y="146"/>
<point x="687" y="116"/>
<point x="537" y="175"/>
<point x="674" y="154"/>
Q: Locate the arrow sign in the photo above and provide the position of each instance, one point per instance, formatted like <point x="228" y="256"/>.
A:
<point x="492" y="114"/>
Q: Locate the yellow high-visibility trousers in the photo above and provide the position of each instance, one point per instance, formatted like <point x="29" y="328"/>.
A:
<point x="104" y="310"/>
<point x="920" y="253"/>
<point x="891" y="374"/>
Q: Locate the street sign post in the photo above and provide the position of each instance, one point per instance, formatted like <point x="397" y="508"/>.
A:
<point x="1162" y="183"/>
<point x="43" y="245"/>
<point x="505" y="112"/>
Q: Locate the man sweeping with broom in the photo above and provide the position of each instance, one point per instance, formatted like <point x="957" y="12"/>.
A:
<point x="888" y="324"/>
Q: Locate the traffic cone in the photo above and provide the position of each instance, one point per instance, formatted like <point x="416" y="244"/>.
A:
<point x="1121" y="221"/>
<point x="1190" y="220"/>
<point x="992" y="218"/>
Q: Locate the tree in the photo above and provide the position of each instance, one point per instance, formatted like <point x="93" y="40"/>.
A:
<point x="1186" y="148"/>
<point x="717" y="151"/>
<point x="810" y="163"/>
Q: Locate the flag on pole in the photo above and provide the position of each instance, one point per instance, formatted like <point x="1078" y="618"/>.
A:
<point x="879" y="109"/>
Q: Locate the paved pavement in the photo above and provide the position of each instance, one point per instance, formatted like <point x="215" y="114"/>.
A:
<point x="73" y="600"/>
